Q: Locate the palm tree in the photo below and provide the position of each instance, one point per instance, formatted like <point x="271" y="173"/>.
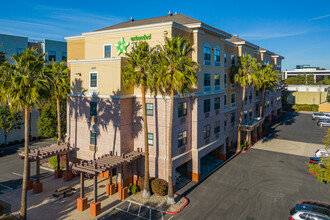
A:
<point x="266" y="80"/>
<point x="139" y="73"/>
<point x="59" y="75"/>
<point x="25" y="86"/>
<point x="178" y="73"/>
<point x="245" y="77"/>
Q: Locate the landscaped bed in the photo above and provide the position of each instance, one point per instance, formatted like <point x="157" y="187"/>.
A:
<point x="159" y="202"/>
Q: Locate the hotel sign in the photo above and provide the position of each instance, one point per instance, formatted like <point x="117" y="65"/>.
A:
<point x="122" y="45"/>
<point x="144" y="37"/>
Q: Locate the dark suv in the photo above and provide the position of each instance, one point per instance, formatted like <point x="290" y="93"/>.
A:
<point x="310" y="211"/>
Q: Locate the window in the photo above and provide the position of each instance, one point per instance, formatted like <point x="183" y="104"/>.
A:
<point x="232" y="60"/>
<point x="271" y="103"/>
<point x="216" y="81"/>
<point x="150" y="139"/>
<point x="182" y="138"/>
<point x="232" y="118"/>
<point x="93" y="80"/>
<point x="225" y="123"/>
<point x="93" y="138"/>
<point x="245" y="115"/>
<point x="257" y="109"/>
<point x="257" y="94"/>
<point x="207" y="82"/>
<point x="225" y="100"/>
<point x="150" y="109"/>
<point x="93" y="109"/>
<point x="107" y="51"/>
<point x="250" y="113"/>
<point x="225" y="59"/>
<point x="225" y="80"/>
<point x="232" y="99"/>
<point x="206" y="131"/>
<point x="207" y="105"/>
<point x="207" y="56"/>
<point x="216" y="103"/>
<point x="182" y="109"/>
<point x="19" y="51"/>
<point x="250" y="96"/>
<point x="216" y="127"/>
<point x="217" y="57"/>
<point x="232" y="85"/>
<point x="64" y="56"/>
<point x="51" y="55"/>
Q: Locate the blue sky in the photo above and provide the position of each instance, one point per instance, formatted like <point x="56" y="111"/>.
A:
<point x="297" y="30"/>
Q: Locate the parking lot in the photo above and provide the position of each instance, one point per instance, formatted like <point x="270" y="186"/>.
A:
<point x="261" y="184"/>
<point x="130" y="210"/>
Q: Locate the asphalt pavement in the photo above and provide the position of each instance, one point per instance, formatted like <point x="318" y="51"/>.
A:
<point x="11" y="167"/>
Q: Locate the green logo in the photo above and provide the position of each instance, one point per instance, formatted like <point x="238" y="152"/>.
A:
<point x="144" y="37"/>
<point x="121" y="46"/>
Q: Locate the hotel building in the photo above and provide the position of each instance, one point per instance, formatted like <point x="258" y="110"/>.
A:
<point x="105" y="117"/>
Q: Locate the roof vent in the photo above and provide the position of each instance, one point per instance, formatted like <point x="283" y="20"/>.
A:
<point x="131" y="19"/>
<point x="169" y="13"/>
<point x="175" y="13"/>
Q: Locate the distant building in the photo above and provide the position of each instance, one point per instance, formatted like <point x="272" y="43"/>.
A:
<point x="301" y="69"/>
<point x="307" y="94"/>
<point x="13" y="45"/>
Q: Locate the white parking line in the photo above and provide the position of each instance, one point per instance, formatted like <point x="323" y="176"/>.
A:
<point x="22" y="175"/>
<point x="131" y="213"/>
<point x="129" y="206"/>
<point x="6" y="187"/>
<point x="139" y="211"/>
<point x="150" y="214"/>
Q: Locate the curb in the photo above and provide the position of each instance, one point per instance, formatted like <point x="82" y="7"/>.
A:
<point x="312" y="173"/>
<point x="182" y="207"/>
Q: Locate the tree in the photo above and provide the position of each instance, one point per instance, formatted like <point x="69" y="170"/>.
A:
<point x="48" y="120"/>
<point x="60" y="81"/>
<point x="25" y="86"/>
<point x="310" y="79"/>
<point x="178" y="74"/>
<point x="139" y="73"/>
<point x="10" y="120"/>
<point x="300" y="79"/>
<point x="322" y="170"/>
<point x="2" y="58"/>
<point x="245" y="77"/>
<point x="290" y="81"/>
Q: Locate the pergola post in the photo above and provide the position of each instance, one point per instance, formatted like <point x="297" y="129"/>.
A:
<point x="95" y="206"/>
<point x="30" y="181"/>
<point x="82" y="201"/>
<point x="68" y="173"/>
<point x="37" y="187"/>
<point x="58" y="171"/>
<point x="111" y="187"/>
<point x="124" y="190"/>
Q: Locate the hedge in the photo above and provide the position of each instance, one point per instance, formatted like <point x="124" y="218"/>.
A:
<point x="159" y="187"/>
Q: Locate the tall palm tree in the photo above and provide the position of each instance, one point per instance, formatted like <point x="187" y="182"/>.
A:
<point x="245" y="77"/>
<point x="178" y="74"/>
<point x="139" y="73"/>
<point x="60" y="81"/>
<point x="266" y="80"/>
<point x="25" y="86"/>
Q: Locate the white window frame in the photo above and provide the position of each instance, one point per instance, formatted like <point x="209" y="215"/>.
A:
<point x="225" y="58"/>
<point x="217" y="87"/>
<point x="96" y="89"/>
<point x="207" y="88"/>
<point x="231" y="55"/>
<point x="232" y="104"/>
<point x="208" y="46"/>
<point x="225" y="80"/>
<point x="104" y="50"/>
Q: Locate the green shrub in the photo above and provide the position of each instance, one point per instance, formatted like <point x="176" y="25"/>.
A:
<point x="16" y="142"/>
<point x="133" y="189"/>
<point x="159" y="187"/>
<point x="141" y="182"/>
<point x="2" y="208"/>
<point x="53" y="162"/>
<point x="305" y="107"/>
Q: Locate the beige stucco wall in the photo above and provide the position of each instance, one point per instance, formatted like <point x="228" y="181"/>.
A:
<point x="76" y="49"/>
<point x="325" y="107"/>
<point x="307" y="97"/>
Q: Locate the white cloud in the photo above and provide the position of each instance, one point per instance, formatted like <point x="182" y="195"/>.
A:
<point x="321" y="17"/>
<point x="269" y="34"/>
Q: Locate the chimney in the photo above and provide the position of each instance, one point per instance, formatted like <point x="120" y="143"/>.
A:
<point x="131" y="19"/>
<point x="169" y="13"/>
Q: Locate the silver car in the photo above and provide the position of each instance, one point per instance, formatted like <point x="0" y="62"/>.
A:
<point x="323" y="123"/>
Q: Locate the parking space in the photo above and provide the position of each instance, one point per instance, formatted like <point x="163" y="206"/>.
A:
<point x="130" y="210"/>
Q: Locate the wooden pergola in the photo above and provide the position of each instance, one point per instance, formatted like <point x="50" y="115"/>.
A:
<point x="98" y="166"/>
<point x="46" y="152"/>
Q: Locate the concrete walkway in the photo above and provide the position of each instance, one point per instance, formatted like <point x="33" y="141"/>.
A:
<point x="44" y="206"/>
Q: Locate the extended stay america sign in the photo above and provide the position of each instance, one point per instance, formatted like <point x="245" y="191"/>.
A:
<point x="122" y="45"/>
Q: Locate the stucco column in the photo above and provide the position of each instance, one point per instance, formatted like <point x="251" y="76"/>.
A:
<point x="196" y="169"/>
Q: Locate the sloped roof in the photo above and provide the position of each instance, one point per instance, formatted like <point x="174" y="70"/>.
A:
<point x="177" y="18"/>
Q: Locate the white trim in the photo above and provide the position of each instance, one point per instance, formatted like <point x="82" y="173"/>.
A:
<point x="102" y="60"/>
<point x="78" y="37"/>
<point x="198" y="31"/>
<point x="104" y="51"/>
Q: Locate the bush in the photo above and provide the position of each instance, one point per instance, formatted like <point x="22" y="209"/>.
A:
<point x="16" y="142"/>
<point x="2" y="208"/>
<point x="53" y="162"/>
<point x="303" y="107"/>
<point x="141" y="182"/>
<point x="159" y="187"/>
<point x="133" y="189"/>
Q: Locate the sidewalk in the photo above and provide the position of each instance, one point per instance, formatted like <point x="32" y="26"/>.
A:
<point x="44" y="206"/>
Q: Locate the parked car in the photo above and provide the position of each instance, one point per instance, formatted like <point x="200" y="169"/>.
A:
<point x="315" y="160"/>
<point x="323" y="123"/>
<point x="321" y="152"/>
<point x="310" y="210"/>
<point x="320" y="116"/>
<point x="177" y="176"/>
